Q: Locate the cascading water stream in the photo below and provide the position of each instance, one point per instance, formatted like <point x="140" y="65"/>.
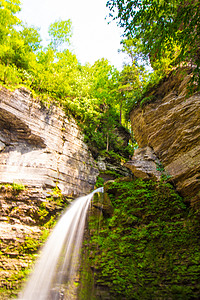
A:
<point x="58" y="263"/>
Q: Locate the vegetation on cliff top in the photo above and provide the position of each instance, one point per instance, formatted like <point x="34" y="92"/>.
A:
<point x="99" y="96"/>
<point x="93" y="94"/>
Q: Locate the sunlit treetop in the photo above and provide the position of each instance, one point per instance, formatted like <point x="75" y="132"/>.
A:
<point x="60" y="33"/>
<point x="12" y="5"/>
<point x="8" y="9"/>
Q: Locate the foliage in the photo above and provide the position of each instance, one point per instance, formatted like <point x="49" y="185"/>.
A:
<point x="137" y="78"/>
<point x="131" y="80"/>
<point x="149" y="248"/>
<point x="99" y="182"/>
<point x="164" y="174"/>
<point x="8" y="9"/>
<point x="167" y="29"/>
<point x="56" y="201"/>
<point x="14" y="187"/>
<point x="18" y="187"/>
<point x="57" y="196"/>
<point x="31" y="38"/>
<point x="112" y="154"/>
<point x="60" y="33"/>
<point x="30" y="245"/>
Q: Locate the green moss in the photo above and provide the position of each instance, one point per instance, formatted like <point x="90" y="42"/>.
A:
<point x="54" y="203"/>
<point x="85" y="288"/>
<point x="149" y="248"/>
<point x="99" y="182"/>
<point x="14" y="187"/>
<point x="30" y="245"/>
<point x="112" y="154"/>
<point x="18" y="187"/>
<point x="147" y="100"/>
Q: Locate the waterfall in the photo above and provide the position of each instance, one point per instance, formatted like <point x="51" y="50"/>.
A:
<point x="58" y="263"/>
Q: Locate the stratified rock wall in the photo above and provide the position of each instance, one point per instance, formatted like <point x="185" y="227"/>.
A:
<point x="171" y="127"/>
<point x="42" y="147"/>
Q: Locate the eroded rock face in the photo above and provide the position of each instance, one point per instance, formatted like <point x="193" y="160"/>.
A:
<point x="144" y="164"/>
<point x="43" y="150"/>
<point x="41" y="147"/>
<point x="171" y="127"/>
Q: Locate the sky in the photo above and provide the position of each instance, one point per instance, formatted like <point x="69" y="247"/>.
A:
<point x="93" y="38"/>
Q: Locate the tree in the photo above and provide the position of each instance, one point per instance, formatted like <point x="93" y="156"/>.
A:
<point x="162" y="25"/>
<point x="60" y="33"/>
<point x="133" y="75"/>
<point x="8" y="9"/>
<point x="133" y="48"/>
<point x="130" y="80"/>
<point x="31" y="37"/>
<point x="87" y="92"/>
<point x="17" y="43"/>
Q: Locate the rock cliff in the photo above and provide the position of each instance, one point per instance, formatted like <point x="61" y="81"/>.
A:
<point x="43" y="160"/>
<point x="170" y="127"/>
<point x="42" y="147"/>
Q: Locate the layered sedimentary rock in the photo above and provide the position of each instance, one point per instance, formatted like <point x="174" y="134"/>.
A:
<point x="144" y="164"/>
<point x="42" y="147"/>
<point x="42" y="150"/>
<point x="170" y="126"/>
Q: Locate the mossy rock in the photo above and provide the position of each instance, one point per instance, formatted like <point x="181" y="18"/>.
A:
<point x="148" y="248"/>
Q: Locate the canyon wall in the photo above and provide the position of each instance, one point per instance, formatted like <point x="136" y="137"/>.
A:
<point x="169" y="128"/>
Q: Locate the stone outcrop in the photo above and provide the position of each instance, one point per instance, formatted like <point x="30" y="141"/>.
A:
<point x="145" y="164"/>
<point x="42" y="147"/>
<point x="170" y="127"/>
<point x="109" y="167"/>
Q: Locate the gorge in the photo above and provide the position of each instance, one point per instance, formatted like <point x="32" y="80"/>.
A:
<point x="45" y="163"/>
<point x="148" y="245"/>
<point x="67" y="129"/>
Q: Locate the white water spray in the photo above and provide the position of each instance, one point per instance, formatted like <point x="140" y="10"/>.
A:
<point x="58" y="263"/>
